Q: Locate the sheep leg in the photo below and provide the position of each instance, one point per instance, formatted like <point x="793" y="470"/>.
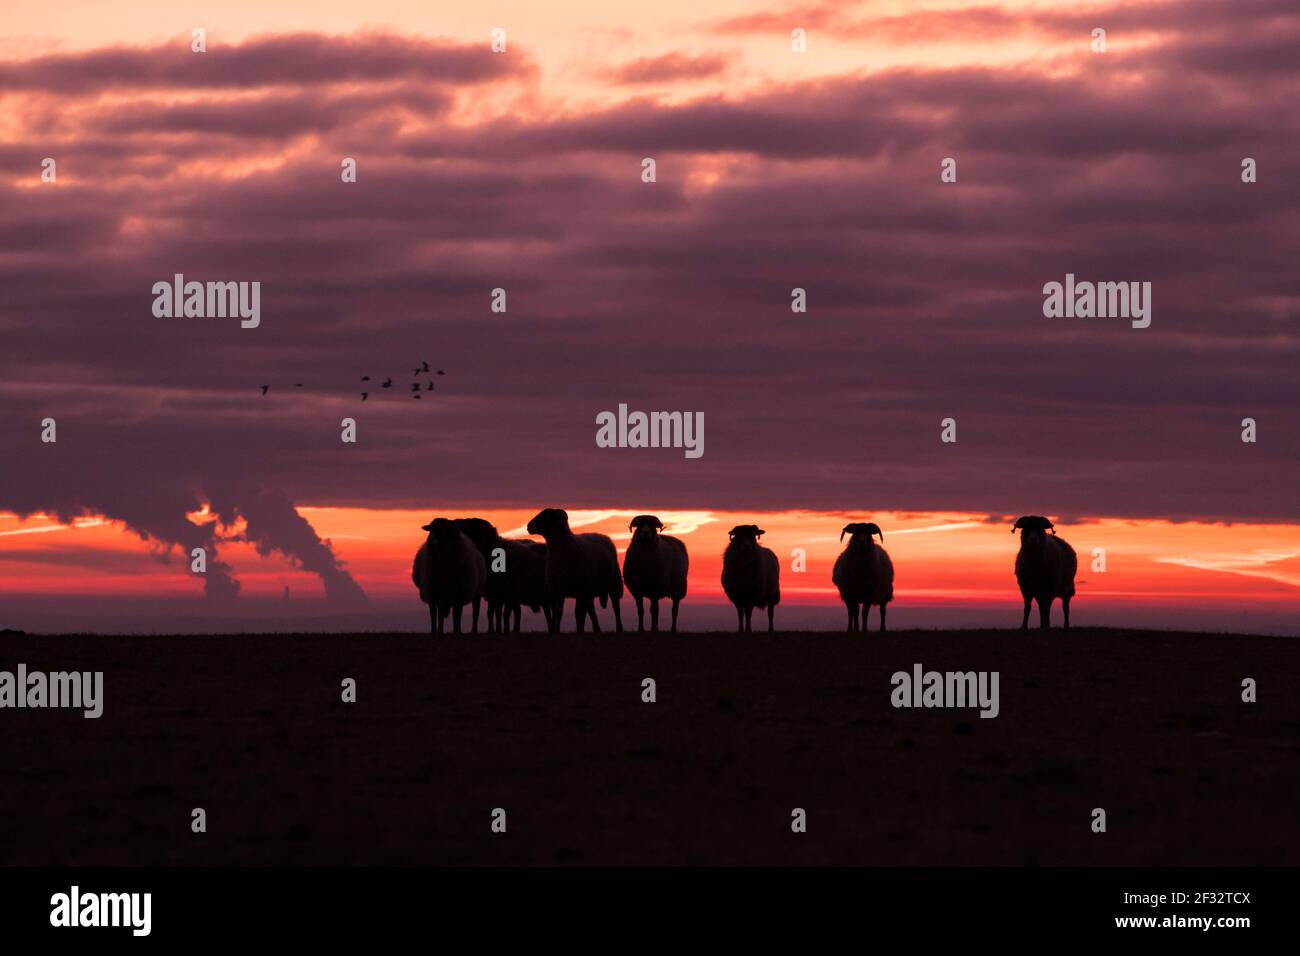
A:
<point x="882" y="618"/>
<point x="853" y="616"/>
<point x="557" y="615"/>
<point x="433" y="619"/>
<point x="740" y="619"/>
<point x="1065" y="609"/>
<point x="1024" y="624"/>
<point x="749" y="620"/>
<point x="640" y="613"/>
<point x="654" y="614"/>
<point x="618" y="613"/>
<point x="595" y="621"/>
<point x="676" y="603"/>
<point x="1044" y="612"/>
<point x="455" y="617"/>
<point x="771" y="610"/>
<point x="474" y="619"/>
<point x="519" y="613"/>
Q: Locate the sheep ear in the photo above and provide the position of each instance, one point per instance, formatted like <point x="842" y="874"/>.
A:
<point x="631" y="525"/>
<point x="759" y="532"/>
<point x="426" y="527"/>
<point x="842" y="534"/>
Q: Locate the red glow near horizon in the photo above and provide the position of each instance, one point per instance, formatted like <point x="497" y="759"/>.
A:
<point x="942" y="559"/>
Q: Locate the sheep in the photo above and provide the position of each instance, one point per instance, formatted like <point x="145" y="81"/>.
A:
<point x="863" y="573"/>
<point x="516" y="576"/>
<point x="450" y="573"/>
<point x="581" y="566"/>
<point x="1045" y="569"/>
<point x="751" y="576"/>
<point x="654" y="567"/>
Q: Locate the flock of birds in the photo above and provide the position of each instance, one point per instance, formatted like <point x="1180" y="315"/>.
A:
<point x="415" y="391"/>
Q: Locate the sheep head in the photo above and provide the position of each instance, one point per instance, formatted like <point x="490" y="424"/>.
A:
<point x="479" y="530"/>
<point x="549" y="521"/>
<point x="745" y="535"/>
<point x="1032" y="527"/>
<point x="645" y="525"/>
<point x="862" y="531"/>
<point x="441" y="530"/>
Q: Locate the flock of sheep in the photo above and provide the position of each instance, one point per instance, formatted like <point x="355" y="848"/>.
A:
<point x="465" y="561"/>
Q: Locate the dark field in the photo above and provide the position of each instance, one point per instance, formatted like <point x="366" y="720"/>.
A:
<point x="1148" y="725"/>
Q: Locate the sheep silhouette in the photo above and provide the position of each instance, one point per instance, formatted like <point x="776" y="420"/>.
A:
<point x="579" y="566"/>
<point x="863" y="573"/>
<point x="1045" y="569"/>
<point x="654" y="567"/>
<point x="751" y="575"/>
<point x="520" y="583"/>
<point x="449" y="572"/>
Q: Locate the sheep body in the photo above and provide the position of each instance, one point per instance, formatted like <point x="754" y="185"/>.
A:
<point x="522" y="582"/>
<point x="751" y="576"/>
<point x="450" y="573"/>
<point x="1045" y="569"/>
<point x="654" y="567"/>
<point x="864" y="574"/>
<point x="579" y="566"/>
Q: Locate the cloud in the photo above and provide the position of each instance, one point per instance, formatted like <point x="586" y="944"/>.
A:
<point x="670" y="66"/>
<point x="924" y="298"/>
<point x="1259" y="563"/>
<point x="302" y="59"/>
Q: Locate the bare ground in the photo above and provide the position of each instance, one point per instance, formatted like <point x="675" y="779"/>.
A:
<point x="1148" y="725"/>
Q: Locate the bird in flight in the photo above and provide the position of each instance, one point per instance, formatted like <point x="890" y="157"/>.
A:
<point x="365" y="378"/>
<point x="364" y="396"/>
<point x="422" y="368"/>
<point x="440" y="372"/>
<point x="265" y="388"/>
<point x="388" y="382"/>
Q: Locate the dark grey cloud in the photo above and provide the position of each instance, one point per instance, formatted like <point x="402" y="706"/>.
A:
<point x="281" y="60"/>
<point x="670" y="66"/>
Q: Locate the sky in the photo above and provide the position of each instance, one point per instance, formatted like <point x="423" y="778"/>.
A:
<point x="522" y="170"/>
